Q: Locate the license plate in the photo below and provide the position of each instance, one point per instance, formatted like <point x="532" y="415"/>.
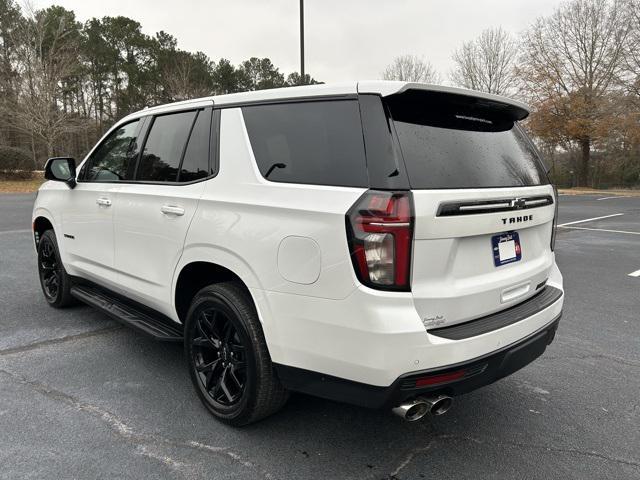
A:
<point x="506" y="248"/>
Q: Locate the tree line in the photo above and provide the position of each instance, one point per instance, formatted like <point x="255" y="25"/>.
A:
<point x="579" y="68"/>
<point x="63" y="82"/>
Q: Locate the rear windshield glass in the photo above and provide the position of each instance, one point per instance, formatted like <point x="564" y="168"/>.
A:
<point x="462" y="144"/>
<point x="317" y="142"/>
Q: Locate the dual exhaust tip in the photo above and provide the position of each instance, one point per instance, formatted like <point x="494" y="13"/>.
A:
<point x="416" y="408"/>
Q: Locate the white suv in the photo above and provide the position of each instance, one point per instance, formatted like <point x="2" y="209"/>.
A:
<point x="386" y="244"/>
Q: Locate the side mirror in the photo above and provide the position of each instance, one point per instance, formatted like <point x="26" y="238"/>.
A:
<point x="61" y="169"/>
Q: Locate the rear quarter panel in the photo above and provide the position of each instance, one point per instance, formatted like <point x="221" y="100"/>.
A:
<point x="242" y="220"/>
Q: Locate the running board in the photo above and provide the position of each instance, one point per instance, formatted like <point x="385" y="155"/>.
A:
<point x="127" y="314"/>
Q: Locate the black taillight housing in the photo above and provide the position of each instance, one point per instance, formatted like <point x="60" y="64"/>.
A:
<point x="554" y="228"/>
<point x="380" y="236"/>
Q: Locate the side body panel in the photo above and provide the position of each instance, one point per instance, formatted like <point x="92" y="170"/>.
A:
<point x="242" y="222"/>
<point x="151" y="223"/>
<point x="87" y="231"/>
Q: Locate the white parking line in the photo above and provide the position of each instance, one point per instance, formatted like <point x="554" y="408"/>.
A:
<point x="14" y="231"/>
<point x="635" y="274"/>
<point x="599" y="230"/>
<point x="615" y="196"/>
<point x="591" y="219"/>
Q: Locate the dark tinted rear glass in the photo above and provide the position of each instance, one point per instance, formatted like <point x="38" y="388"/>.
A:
<point x="309" y="142"/>
<point x="462" y="144"/>
<point x="164" y="146"/>
<point x="196" y="158"/>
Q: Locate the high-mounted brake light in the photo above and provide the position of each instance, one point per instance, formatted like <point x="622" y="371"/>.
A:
<point x="380" y="234"/>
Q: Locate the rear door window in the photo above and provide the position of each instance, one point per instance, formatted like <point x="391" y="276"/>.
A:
<point x="317" y="142"/>
<point x="450" y="143"/>
<point x="195" y="164"/>
<point x="164" y="147"/>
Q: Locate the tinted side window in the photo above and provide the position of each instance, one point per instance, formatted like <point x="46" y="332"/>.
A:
<point x="196" y="158"/>
<point x="384" y="158"/>
<point x="164" y="147"/>
<point x="114" y="159"/>
<point x="308" y="142"/>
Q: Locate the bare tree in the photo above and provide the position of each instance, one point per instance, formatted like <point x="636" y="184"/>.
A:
<point x="188" y="76"/>
<point x="45" y="57"/>
<point x="411" y="68"/>
<point x="571" y="64"/>
<point x="487" y="63"/>
<point x="632" y="54"/>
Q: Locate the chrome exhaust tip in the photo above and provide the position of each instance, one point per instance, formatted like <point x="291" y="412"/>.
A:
<point x="416" y="408"/>
<point x="412" y="410"/>
<point x="437" y="404"/>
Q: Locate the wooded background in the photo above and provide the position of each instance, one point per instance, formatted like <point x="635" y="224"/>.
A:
<point x="63" y="82"/>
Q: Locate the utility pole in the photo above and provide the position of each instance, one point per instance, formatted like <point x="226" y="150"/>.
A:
<point x="302" y="39"/>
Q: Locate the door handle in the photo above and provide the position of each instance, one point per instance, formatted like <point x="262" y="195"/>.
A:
<point x="172" y="210"/>
<point x="103" y="201"/>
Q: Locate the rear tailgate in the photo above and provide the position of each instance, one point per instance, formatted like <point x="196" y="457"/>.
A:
<point x="455" y="277"/>
<point x="484" y="208"/>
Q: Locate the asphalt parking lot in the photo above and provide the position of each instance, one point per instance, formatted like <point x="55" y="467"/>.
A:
<point x="82" y="397"/>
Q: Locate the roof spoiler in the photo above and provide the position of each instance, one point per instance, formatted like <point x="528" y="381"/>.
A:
<point x="506" y="107"/>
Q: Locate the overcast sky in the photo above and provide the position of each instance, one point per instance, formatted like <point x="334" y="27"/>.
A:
<point x="344" y="40"/>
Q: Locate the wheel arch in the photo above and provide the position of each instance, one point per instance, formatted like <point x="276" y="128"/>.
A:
<point x="193" y="277"/>
<point x="202" y="266"/>
<point x="41" y="224"/>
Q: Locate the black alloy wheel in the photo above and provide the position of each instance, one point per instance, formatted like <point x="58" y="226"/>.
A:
<point x="55" y="282"/>
<point x="49" y="269"/>
<point x="228" y="358"/>
<point x="219" y="358"/>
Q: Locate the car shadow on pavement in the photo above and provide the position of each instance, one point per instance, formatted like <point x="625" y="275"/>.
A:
<point x="316" y="438"/>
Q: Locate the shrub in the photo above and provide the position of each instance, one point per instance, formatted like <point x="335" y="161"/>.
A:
<point x="13" y="158"/>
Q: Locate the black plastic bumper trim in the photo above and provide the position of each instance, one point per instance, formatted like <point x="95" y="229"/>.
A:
<point x="485" y="370"/>
<point x="541" y="300"/>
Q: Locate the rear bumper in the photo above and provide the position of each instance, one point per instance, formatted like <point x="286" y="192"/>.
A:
<point x="374" y="337"/>
<point x="471" y="375"/>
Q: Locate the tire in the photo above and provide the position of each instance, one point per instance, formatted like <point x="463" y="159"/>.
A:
<point x="55" y="283"/>
<point x="227" y="356"/>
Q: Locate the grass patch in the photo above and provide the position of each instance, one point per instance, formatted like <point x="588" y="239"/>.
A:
<point x="10" y="183"/>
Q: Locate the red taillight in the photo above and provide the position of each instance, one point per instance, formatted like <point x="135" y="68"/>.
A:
<point x="554" y="227"/>
<point x="380" y="232"/>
